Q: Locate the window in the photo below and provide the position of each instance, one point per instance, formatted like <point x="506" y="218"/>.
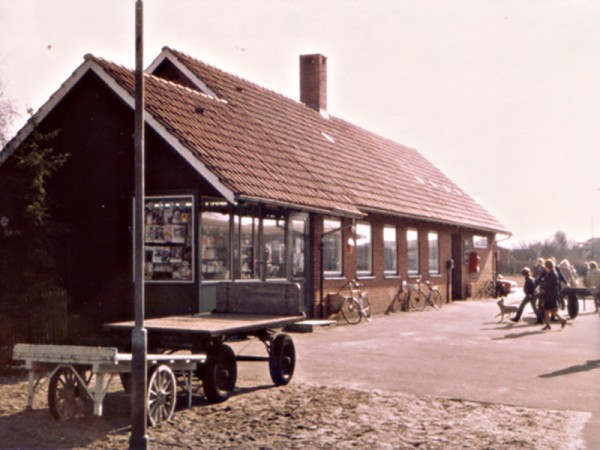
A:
<point x="332" y="247"/>
<point x="248" y="238"/>
<point x="434" y="252"/>
<point x="168" y="239"/>
<point x="480" y="241"/>
<point x="390" y="254"/>
<point x="274" y="246"/>
<point x="364" y="249"/>
<point x="214" y="231"/>
<point x="299" y="233"/>
<point x="412" y="246"/>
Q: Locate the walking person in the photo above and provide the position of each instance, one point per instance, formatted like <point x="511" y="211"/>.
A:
<point x="529" y="290"/>
<point x="549" y="294"/>
<point x="592" y="280"/>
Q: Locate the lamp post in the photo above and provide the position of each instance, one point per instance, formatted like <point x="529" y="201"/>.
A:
<point x="139" y="340"/>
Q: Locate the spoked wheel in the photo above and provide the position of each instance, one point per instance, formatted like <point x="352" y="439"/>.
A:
<point x="436" y="300"/>
<point x="417" y="301"/>
<point x="351" y="311"/>
<point x="67" y="394"/>
<point x="162" y="395"/>
<point x="219" y="373"/>
<point x="366" y="307"/>
<point x="282" y="359"/>
<point x="397" y="303"/>
<point x="402" y="302"/>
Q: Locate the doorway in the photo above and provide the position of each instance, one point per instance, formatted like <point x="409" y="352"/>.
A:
<point x="457" y="272"/>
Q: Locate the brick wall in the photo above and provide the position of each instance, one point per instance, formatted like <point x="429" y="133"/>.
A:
<point x="380" y="286"/>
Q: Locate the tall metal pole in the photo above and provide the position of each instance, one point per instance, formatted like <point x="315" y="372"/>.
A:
<point x="139" y="340"/>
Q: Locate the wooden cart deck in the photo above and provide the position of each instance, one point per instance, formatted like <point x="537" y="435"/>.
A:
<point x="211" y="324"/>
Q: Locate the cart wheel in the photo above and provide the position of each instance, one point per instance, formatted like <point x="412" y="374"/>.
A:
<point x="162" y="395"/>
<point x="219" y="373"/>
<point x="573" y="306"/>
<point x="282" y="359"/>
<point x="66" y="395"/>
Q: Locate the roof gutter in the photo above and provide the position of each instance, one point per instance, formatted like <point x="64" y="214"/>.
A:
<point x="428" y="219"/>
<point x="339" y="212"/>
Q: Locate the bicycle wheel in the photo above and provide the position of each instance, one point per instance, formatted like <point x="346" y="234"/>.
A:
<point x="417" y="300"/>
<point x="490" y="289"/>
<point x="400" y="302"/>
<point x="436" y="300"/>
<point x="366" y="307"/>
<point x="351" y="311"/>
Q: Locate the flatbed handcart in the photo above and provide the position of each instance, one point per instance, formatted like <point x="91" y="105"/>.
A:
<point x="244" y="310"/>
<point x="69" y="369"/>
<point x="573" y="294"/>
<point x="179" y="348"/>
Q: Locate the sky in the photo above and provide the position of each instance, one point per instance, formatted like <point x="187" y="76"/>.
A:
<point x="502" y="96"/>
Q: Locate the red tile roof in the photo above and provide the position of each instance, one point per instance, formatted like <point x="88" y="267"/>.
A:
<point x="265" y="146"/>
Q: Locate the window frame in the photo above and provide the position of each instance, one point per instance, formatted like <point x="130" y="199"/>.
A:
<point x="337" y="236"/>
<point x="433" y="269"/>
<point x="369" y="246"/>
<point x="411" y="271"/>
<point x="394" y="250"/>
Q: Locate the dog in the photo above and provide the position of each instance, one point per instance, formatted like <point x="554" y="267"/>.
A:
<point x="505" y="309"/>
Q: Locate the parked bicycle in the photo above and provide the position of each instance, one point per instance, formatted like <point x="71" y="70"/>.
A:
<point x="486" y="290"/>
<point x="412" y="296"/>
<point x="400" y="298"/>
<point x="432" y="297"/>
<point x="356" y="304"/>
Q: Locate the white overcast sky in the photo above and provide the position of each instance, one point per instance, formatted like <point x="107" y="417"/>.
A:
<point x="503" y="96"/>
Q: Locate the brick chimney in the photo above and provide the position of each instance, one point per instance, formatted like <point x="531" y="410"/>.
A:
<point x="313" y="81"/>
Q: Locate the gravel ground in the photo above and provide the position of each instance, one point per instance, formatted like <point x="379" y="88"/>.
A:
<point x="297" y="417"/>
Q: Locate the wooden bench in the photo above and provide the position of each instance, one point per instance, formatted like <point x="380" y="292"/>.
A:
<point x="258" y="298"/>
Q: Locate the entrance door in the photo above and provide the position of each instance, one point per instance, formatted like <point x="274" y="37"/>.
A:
<point x="298" y="256"/>
<point x="457" y="278"/>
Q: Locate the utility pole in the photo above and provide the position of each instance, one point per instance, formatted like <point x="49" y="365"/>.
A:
<point x="139" y="340"/>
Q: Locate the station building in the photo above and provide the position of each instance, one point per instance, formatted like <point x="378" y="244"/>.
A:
<point x="244" y="184"/>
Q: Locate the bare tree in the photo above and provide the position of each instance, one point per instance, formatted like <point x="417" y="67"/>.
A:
<point x="7" y="115"/>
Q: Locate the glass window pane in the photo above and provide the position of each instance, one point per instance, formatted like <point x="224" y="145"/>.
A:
<point x="390" y="252"/>
<point x="480" y="241"/>
<point x="215" y="240"/>
<point x="298" y="244"/>
<point x="169" y="239"/>
<point x="364" y="249"/>
<point x="332" y="247"/>
<point x="412" y="245"/>
<point x="274" y="251"/>
<point x="248" y="244"/>
<point x="434" y="253"/>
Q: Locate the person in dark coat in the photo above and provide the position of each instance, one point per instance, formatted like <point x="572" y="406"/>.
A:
<point x="549" y="294"/>
<point x="529" y="290"/>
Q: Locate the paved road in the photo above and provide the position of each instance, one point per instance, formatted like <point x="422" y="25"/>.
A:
<point x="461" y="352"/>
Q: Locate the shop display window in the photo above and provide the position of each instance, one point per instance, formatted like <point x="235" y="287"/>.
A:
<point x="214" y="249"/>
<point x="299" y="232"/>
<point x="169" y="239"/>
<point x="248" y="235"/>
<point x="274" y="247"/>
